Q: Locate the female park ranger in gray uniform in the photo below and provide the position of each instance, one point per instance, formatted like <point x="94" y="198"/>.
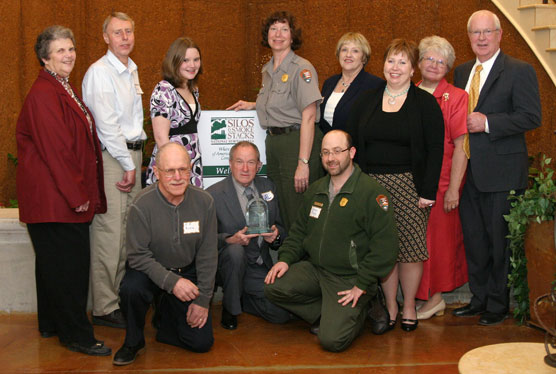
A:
<point x="287" y="107"/>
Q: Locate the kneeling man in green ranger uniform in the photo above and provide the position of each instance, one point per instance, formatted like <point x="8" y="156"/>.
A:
<point x="343" y="241"/>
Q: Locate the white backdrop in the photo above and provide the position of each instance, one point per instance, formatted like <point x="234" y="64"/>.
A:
<point x="218" y="131"/>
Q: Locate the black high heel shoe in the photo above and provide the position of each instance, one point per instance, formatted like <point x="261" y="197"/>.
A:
<point x="408" y="327"/>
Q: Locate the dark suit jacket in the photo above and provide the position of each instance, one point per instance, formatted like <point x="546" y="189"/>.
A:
<point x="362" y="82"/>
<point x="426" y="130"/>
<point x="231" y="218"/>
<point x="510" y="100"/>
<point x="60" y="162"/>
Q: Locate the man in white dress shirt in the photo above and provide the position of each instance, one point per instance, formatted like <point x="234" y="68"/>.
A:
<point x="112" y="92"/>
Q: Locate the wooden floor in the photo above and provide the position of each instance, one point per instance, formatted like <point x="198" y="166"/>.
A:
<point x="260" y="347"/>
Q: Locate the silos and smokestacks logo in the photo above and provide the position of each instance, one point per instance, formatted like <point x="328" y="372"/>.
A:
<point x="226" y="130"/>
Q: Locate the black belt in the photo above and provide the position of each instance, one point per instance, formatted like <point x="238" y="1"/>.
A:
<point x="136" y="146"/>
<point x="282" y="130"/>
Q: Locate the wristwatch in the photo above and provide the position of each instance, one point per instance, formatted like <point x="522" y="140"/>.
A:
<point x="304" y="160"/>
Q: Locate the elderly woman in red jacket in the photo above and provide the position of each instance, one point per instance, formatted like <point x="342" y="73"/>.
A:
<point x="59" y="189"/>
<point x="446" y="268"/>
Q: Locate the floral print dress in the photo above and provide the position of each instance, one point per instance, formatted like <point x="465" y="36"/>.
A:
<point x="168" y="103"/>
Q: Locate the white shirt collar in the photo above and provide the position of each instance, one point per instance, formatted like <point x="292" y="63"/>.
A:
<point x="120" y="67"/>
<point x="487" y="65"/>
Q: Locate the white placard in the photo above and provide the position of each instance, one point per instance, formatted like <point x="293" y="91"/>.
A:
<point x="218" y="131"/>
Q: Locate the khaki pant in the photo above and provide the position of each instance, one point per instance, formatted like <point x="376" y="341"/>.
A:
<point x="108" y="254"/>
<point x="310" y="292"/>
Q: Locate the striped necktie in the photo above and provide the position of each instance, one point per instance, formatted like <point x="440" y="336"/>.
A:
<point x="472" y="103"/>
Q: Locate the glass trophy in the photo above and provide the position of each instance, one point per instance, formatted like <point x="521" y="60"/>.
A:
<point x="256" y="216"/>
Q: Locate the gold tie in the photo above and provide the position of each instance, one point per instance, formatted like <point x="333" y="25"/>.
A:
<point x="472" y="103"/>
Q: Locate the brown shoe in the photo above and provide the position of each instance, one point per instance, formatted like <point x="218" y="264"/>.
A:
<point x="115" y="319"/>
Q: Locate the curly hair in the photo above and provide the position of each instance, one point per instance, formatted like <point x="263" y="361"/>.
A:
<point x="42" y="46"/>
<point x="286" y="17"/>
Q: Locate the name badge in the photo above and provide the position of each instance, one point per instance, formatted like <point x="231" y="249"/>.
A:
<point x="191" y="227"/>
<point x="315" y="212"/>
<point x="267" y="196"/>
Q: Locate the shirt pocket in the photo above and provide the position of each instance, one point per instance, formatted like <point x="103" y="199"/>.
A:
<point x="280" y="93"/>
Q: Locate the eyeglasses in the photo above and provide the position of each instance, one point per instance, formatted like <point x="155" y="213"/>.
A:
<point x="486" y="32"/>
<point x="335" y="152"/>
<point x="169" y="173"/>
<point x="431" y="61"/>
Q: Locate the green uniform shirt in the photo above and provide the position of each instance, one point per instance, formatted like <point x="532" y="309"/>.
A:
<point x="286" y="92"/>
<point x="354" y="235"/>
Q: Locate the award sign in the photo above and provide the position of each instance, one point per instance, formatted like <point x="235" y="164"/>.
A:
<point x="256" y="216"/>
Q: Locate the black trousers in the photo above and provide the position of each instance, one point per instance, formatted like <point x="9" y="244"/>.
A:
<point x="486" y="245"/>
<point x="62" y="257"/>
<point x="137" y="292"/>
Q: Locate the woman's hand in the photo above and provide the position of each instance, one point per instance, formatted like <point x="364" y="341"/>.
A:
<point x="425" y="203"/>
<point x="451" y="200"/>
<point x="242" y="105"/>
<point x="82" y="208"/>
<point x="301" y="178"/>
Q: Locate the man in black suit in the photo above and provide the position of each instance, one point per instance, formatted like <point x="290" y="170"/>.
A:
<point x="506" y="105"/>
<point x="244" y="260"/>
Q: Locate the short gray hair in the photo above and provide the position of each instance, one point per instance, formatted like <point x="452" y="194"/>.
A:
<point x="496" y="19"/>
<point x="42" y="46"/>
<point x="119" y="15"/>
<point x="244" y="143"/>
<point x="440" y="45"/>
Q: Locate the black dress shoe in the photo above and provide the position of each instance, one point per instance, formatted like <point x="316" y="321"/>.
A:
<point x="126" y="355"/>
<point x="492" y="319"/>
<point x="115" y="319"/>
<point x="97" y="349"/>
<point x="408" y="327"/>
<point x="467" y="311"/>
<point x="380" y="327"/>
<point x="48" y="334"/>
<point x="229" y="321"/>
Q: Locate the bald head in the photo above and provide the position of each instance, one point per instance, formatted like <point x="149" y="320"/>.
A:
<point x="484" y="13"/>
<point x="338" y="135"/>
<point x="175" y="149"/>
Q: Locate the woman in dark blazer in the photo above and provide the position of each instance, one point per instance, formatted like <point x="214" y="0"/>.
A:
<point x="341" y="90"/>
<point x="398" y="131"/>
<point x="59" y="190"/>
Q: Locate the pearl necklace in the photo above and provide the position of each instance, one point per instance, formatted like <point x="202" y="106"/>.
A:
<point x="392" y="99"/>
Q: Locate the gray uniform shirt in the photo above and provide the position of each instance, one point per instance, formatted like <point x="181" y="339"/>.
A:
<point x="286" y="91"/>
<point x="161" y="235"/>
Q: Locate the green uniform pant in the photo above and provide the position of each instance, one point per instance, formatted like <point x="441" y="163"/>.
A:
<point x="311" y="292"/>
<point x="282" y="154"/>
